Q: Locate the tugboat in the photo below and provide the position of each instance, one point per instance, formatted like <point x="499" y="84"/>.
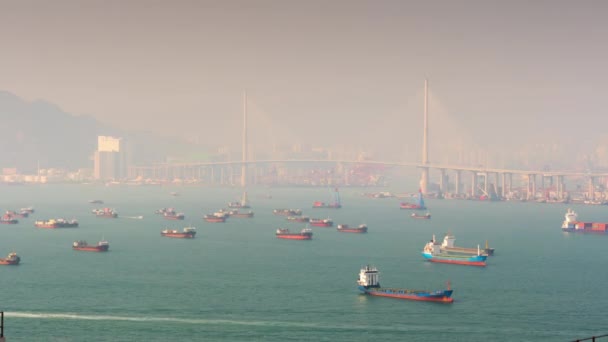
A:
<point x="237" y="214"/>
<point x="243" y="204"/>
<point x="7" y="219"/>
<point x="432" y="252"/>
<point x="572" y="224"/>
<point x="321" y="222"/>
<point x="419" y="205"/>
<point x="56" y="223"/>
<point x="105" y="212"/>
<point x="418" y="216"/>
<point x="304" y="234"/>
<point x="187" y="233"/>
<point x="447" y="246"/>
<point x="344" y="228"/>
<point x="301" y="219"/>
<point x="369" y="283"/>
<point x="287" y="212"/>
<point x="11" y="259"/>
<point x="335" y="205"/>
<point x="81" y="245"/>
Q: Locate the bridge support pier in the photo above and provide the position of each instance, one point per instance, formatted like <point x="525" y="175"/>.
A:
<point x="504" y="185"/>
<point x="442" y="182"/>
<point x="496" y="184"/>
<point x="591" y="189"/>
<point x="474" y="184"/>
<point x="458" y="180"/>
<point x="424" y="180"/>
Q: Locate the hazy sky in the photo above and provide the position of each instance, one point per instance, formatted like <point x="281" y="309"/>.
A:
<point x="320" y="71"/>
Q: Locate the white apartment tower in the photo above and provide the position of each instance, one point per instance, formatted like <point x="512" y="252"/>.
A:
<point x="110" y="158"/>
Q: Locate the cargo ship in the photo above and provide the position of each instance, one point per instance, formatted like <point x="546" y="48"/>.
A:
<point x="105" y="212"/>
<point x="96" y="201"/>
<point x="29" y="210"/>
<point x="81" y="245"/>
<point x="321" y="222"/>
<point x="213" y="218"/>
<point x="344" y="228"/>
<point x="238" y="214"/>
<point x="300" y="219"/>
<point x="572" y="224"/>
<point x="335" y="205"/>
<point x="186" y="233"/>
<point x="447" y="246"/>
<point x="369" y="283"/>
<point x="418" y="205"/>
<point x="56" y="223"/>
<point x="418" y="216"/>
<point x="287" y="212"/>
<point x="304" y="234"/>
<point x="432" y="252"/>
<point x="172" y="215"/>
<point x="7" y="219"/>
<point x="243" y="204"/>
<point x="21" y="214"/>
<point x="11" y="259"/>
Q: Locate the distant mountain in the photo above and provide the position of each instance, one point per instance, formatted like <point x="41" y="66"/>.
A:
<point x="40" y="132"/>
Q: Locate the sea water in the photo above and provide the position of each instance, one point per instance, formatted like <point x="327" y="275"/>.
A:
<point x="237" y="282"/>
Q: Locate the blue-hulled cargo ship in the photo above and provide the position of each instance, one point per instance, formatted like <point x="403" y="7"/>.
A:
<point x="432" y="252"/>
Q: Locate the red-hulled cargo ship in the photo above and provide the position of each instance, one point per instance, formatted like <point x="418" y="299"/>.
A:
<point x="174" y="216"/>
<point x="7" y="219"/>
<point x="105" y="212"/>
<point x="304" y="234"/>
<point x="11" y="259"/>
<point x="335" y="205"/>
<point x="102" y="246"/>
<point x="214" y="218"/>
<point x="187" y="233"/>
<point x="321" y="222"/>
<point x="56" y="223"/>
<point x="344" y="228"/>
<point x="21" y="214"/>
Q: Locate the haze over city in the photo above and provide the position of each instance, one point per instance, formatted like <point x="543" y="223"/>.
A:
<point x="505" y="77"/>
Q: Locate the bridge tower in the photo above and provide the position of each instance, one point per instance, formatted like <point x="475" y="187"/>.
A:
<point x="424" y="179"/>
<point x="244" y="165"/>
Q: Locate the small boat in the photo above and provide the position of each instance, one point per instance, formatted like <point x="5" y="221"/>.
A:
<point x="418" y="205"/>
<point x="304" y="234"/>
<point x="287" y="212"/>
<point x="432" y="252"/>
<point x="173" y="193"/>
<point x="321" y="222"/>
<point x="96" y="201"/>
<point x="7" y="219"/>
<point x="11" y="259"/>
<point x="369" y="283"/>
<point x="301" y="219"/>
<point x="344" y="228"/>
<point x="56" y="223"/>
<point x="105" y="212"/>
<point x="447" y="246"/>
<point x="29" y="210"/>
<point x="81" y="245"/>
<point x="418" y="216"/>
<point x="237" y="214"/>
<point x="186" y="233"/>
<point x="214" y="218"/>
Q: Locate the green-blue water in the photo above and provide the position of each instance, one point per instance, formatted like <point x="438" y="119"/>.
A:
<point x="237" y="282"/>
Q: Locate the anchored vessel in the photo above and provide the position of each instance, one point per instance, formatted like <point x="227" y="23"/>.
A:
<point x="81" y="245"/>
<point x="56" y="223"/>
<point x="172" y="215"/>
<point x="418" y="205"/>
<point x="335" y="205"/>
<point x="447" y="246"/>
<point x="304" y="234"/>
<point x="572" y="224"/>
<point x="418" y="216"/>
<point x="11" y="259"/>
<point x="321" y="222"/>
<point x="215" y="217"/>
<point x="432" y="252"/>
<point x="7" y="219"/>
<point x="237" y="214"/>
<point x="186" y="233"/>
<point x="29" y="210"/>
<point x="301" y="219"/>
<point x="344" y="228"/>
<point x="243" y="204"/>
<point x="287" y="212"/>
<point x="96" y="201"/>
<point x="105" y="212"/>
<point x="369" y="283"/>
<point x="21" y="214"/>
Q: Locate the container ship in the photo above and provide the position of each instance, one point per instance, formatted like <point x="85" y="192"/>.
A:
<point x="335" y="205"/>
<point x="426" y="216"/>
<point x="369" y="283"/>
<point x="432" y="252"/>
<point x="287" y="212"/>
<point x="240" y="214"/>
<point x="447" y="246"/>
<point x="243" y="204"/>
<point x="11" y="259"/>
<point x="56" y="223"/>
<point x="572" y="224"/>
<point x="105" y="212"/>
<point x="344" y="228"/>
<point x="186" y="233"/>
<point x="304" y="234"/>
<point x="418" y="205"/>
<point x="81" y="245"/>
<point x="321" y="222"/>
<point x="7" y="219"/>
<point x="300" y="219"/>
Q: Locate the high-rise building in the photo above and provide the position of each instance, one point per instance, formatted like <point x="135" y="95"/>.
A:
<point x="110" y="159"/>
